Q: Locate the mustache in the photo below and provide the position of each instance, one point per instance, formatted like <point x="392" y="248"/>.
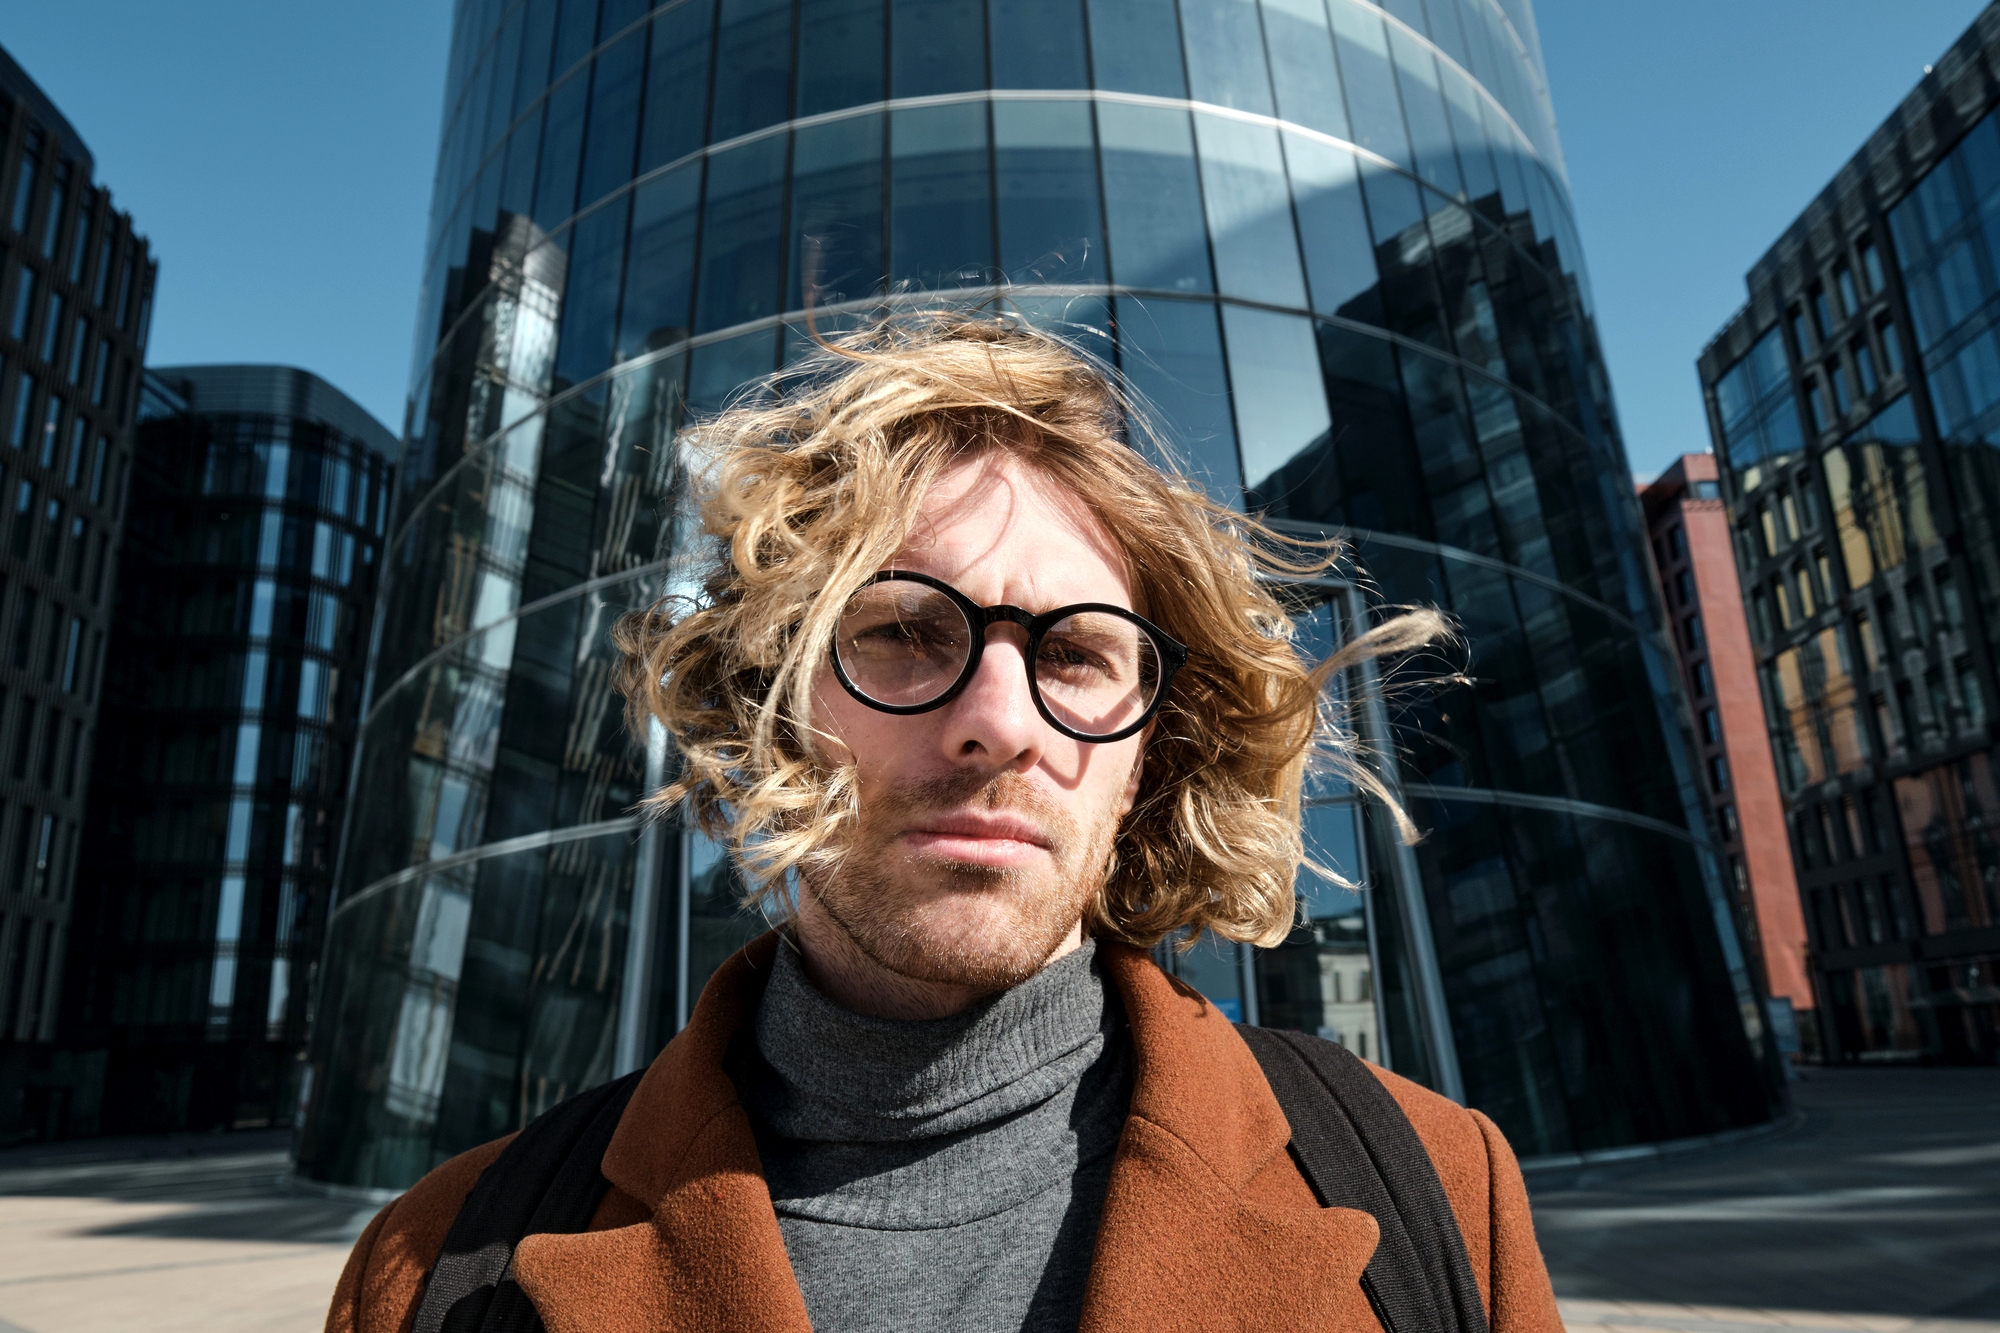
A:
<point x="950" y="792"/>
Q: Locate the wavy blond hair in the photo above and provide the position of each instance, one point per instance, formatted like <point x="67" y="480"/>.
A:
<point x="811" y="486"/>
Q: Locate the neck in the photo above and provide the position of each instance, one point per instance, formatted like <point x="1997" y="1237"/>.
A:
<point x="840" y="970"/>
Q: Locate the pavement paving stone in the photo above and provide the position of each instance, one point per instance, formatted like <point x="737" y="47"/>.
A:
<point x="1878" y="1214"/>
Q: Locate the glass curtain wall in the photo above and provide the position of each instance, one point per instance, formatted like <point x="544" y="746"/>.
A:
<point x="246" y="590"/>
<point x="1331" y="246"/>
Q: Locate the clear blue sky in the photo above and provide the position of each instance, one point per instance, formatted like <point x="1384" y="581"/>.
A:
<point x="280" y="155"/>
<point x="1695" y="132"/>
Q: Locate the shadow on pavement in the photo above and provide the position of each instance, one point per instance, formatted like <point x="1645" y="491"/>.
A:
<point x="220" y="1187"/>
<point x="1885" y="1201"/>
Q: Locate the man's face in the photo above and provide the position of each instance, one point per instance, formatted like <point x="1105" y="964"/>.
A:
<point x="983" y="831"/>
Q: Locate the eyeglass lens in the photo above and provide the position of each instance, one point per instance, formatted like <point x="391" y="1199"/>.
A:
<point x="903" y="644"/>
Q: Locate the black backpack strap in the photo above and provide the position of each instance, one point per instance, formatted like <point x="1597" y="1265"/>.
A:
<point x="1357" y="1149"/>
<point x="549" y="1179"/>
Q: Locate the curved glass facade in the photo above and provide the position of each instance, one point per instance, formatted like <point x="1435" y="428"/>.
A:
<point x="1329" y="242"/>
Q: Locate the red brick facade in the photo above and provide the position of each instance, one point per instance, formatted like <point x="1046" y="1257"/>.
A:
<point x="1697" y="568"/>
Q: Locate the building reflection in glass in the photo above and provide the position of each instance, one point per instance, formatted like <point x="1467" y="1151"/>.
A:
<point x="1331" y="246"/>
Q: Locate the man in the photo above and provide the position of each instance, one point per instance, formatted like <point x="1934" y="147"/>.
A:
<point x="985" y="706"/>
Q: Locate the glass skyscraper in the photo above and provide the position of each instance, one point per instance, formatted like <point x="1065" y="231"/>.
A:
<point x="76" y="297"/>
<point x="1855" y="405"/>
<point x="246" y="590"/>
<point x="1329" y="242"/>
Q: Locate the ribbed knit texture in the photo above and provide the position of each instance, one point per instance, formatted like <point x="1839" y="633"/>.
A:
<point x="944" y="1174"/>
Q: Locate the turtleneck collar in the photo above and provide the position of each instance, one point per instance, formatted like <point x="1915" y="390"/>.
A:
<point x="849" y="1077"/>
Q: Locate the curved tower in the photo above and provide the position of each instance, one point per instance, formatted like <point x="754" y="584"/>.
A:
<point x="1331" y="242"/>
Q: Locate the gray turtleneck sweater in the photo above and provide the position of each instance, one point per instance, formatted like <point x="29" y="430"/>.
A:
<point x="943" y="1174"/>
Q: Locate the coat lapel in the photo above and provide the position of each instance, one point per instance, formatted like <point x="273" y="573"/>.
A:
<point x="1207" y="1224"/>
<point x="711" y="1258"/>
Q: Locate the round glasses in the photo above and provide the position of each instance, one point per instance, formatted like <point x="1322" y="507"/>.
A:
<point x="908" y="643"/>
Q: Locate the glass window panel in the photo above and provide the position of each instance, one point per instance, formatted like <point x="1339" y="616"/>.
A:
<point x="576" y="32"/>
<point x="941" y="221"/>
<point x="676" y="84"/>
<point x="836" y="212"/>
<point x="1302" y="68"/>
<point x="1372" y="105"/>
<point x="661" y="275"/>
<point x="1153" y="198"/>
<point x="517" y="188"/>
<point x="1135" y="47"/>
<point x="719" y="369"/>
<point x="614" y="118"/>
<point x="842" y="42"/>
<point x="1170" y="353"/>
<point x="753" y="67"/>
<point x="1249" y="211"/>
<point x="1214" y="966"/>
<point x="742" y="242"/>
<point x="590" y="296"/>
<point x="1225" y="55"/>
<point x="1275" y="385"/>
<point x="1051" y="228"/>
<point x="936" y="46"/>
<point x="1423" y="107"/>
<point x="616" y="16"/>
<point x="562" y="135"/>
<point x="1468" y="130"/>
<point x="1333" y="229"/>
<point x="1395" y="211"/>
<point x="1037" y="43"/>
<point x="1375" y="485"/>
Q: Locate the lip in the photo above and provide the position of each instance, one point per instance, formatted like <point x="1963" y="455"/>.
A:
<point x="983" y="839"/>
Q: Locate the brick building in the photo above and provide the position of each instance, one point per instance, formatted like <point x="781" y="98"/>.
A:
<point x="1689" y="528"/>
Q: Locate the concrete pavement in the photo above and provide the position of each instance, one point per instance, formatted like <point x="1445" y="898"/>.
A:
<point x="1879" y="1214"/>
<point x="184" y="1232"/>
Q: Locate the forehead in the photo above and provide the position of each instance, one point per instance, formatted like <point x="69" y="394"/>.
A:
<point x="1001" y="530"/>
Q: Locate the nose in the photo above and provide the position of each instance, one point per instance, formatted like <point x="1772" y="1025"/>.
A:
<point x="993" y="721"/>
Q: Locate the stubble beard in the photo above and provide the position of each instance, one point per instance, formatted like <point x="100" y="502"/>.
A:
<point x="908" y="913"/>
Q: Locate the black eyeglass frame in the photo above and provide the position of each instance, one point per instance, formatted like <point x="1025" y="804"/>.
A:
<point x="1173" y="653"/>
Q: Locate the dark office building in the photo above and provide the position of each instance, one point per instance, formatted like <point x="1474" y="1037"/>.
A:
<point x="259" y="501"/>
<point x="1855" y="403"/>
<point x="75" y="299"/>
<point x="1333" y="247"/>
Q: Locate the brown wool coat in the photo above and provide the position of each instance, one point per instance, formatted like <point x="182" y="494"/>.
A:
<point x="1207" y="1224"/>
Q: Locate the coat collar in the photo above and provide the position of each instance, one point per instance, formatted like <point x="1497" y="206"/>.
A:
<point x="1206" y="1223"/>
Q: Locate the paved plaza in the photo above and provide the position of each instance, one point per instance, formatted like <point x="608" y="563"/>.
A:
<point x="1879" y="1213"/>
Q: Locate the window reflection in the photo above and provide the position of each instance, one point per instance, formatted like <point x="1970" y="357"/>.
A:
<point x="1225" y="55"/>
<point x="753" y="67"/>
<point x="1051" y="227"/>
<point x="936" y="46"/>
<point x="742" y="250"/>
<point x="1170" y="353"/>
<point x="1153" y="198"/>
<point x="1037" y="43"/>
<point x="940" y="218"/>
<point x="1135" y="47"/>
<point x="836" y="232"/>
<point x="1302" y="68"/>
<point x="840" y="61"/>
<point x="1281" y="407"/>
<point x="1249" y="211"/>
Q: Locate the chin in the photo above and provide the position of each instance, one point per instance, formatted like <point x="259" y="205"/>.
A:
<point x="978" y="928"/>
